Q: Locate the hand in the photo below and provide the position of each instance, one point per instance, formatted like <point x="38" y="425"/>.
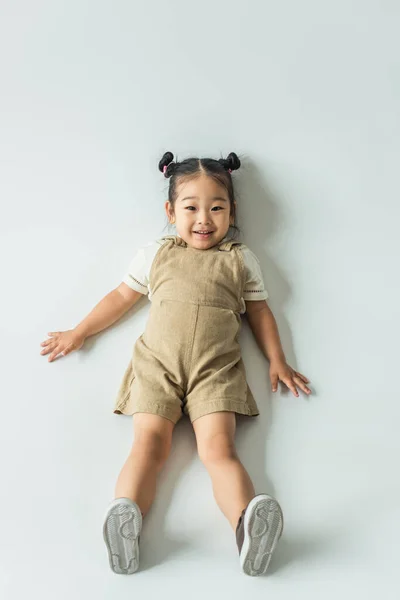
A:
<point x="62" y="342"/>
<point x="280" y="370"/>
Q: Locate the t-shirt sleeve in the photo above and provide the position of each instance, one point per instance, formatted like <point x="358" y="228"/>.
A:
<point x="254" y="288"/>
<point x="136" y="276"/>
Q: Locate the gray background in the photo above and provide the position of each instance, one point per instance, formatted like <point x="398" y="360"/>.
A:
<point x="307" y="93"/>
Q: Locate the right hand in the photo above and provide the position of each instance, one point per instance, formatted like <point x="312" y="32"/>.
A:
<point x="62" y="342"/>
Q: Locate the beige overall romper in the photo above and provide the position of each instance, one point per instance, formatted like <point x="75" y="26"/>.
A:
<point x="188" y="360"/>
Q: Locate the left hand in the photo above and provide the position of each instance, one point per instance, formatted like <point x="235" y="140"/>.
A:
<point x="280" y="370"/>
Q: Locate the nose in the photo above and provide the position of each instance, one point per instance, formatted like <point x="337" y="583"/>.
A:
<point x="203" y="217"/>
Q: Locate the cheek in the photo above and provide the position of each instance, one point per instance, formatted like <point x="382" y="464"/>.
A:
<point x="185" y="216"/>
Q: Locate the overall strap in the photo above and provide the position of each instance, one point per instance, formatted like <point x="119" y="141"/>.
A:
<point x="225" y="246"/>
<point x="176" y="239"/>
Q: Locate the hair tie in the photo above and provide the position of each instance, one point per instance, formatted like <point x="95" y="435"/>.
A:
<point x="165" y="168"/>
<point x="229" y="170"/>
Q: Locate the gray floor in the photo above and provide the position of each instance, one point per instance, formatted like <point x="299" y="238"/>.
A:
<point x="92" y="95"/>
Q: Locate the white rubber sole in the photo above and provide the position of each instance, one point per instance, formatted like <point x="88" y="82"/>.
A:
<point x="263" y="526"/>
<point x="121" y="530"/>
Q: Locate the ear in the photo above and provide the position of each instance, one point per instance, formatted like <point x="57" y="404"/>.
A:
<point x="169" y="212"/>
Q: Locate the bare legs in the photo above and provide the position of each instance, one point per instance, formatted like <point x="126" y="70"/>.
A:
<point x="232" y="486"/>
<point x="150" y="449"/>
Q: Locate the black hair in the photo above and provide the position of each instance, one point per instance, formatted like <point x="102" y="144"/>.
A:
<point x="189" y="168"/>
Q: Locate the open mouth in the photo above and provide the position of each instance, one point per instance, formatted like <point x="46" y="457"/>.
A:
<point x="203" y="233"/>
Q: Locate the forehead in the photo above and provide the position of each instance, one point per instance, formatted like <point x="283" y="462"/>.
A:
<point x="202" y="186"/>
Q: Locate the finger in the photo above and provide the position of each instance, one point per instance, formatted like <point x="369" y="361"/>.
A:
<point x="303" y="377"/>
<point x="291" y="386"/>
<point x="52" y="333"/>
<point x="67" y="350"/>
<point x="48" y="348"/>
<point x="274" y="382"/>
<point x="50" y="345"/>
<point x="46" y="343"/>
<point x="301" y="385"/>
<point x="55" y="353"/>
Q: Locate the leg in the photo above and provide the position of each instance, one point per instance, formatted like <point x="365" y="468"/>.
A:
<point x="261" y="521"/>
<point x="232" y="485"/>
<point x="150" y="449"/>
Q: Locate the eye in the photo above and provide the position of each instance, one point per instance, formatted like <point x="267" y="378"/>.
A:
<point x="215" y="208"/>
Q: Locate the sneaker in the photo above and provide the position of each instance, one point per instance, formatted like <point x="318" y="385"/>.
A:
<point x="121" y="532"/>
<point x="257" y="533"/>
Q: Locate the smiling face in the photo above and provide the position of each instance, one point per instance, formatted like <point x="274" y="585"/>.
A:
<point x="201" y="212"/>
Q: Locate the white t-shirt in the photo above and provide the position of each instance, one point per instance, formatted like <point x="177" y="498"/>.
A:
<point x="138" y="274"/>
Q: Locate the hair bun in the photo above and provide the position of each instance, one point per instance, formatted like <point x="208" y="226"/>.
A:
<point x="232" y="162"/>
<point x="166" y="161"/>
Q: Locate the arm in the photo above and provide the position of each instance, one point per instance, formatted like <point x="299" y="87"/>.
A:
<point x="265" y="330"/>
<point x="111" y="308"/>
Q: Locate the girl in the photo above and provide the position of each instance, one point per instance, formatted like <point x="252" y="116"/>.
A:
<point x="188" y="360"/>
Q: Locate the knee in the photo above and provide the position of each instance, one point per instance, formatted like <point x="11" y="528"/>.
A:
<point x="218" y="447"/>
<point x="154" y="445"/>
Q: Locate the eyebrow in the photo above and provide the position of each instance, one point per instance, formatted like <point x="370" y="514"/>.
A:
<point x="196" y="198"/>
